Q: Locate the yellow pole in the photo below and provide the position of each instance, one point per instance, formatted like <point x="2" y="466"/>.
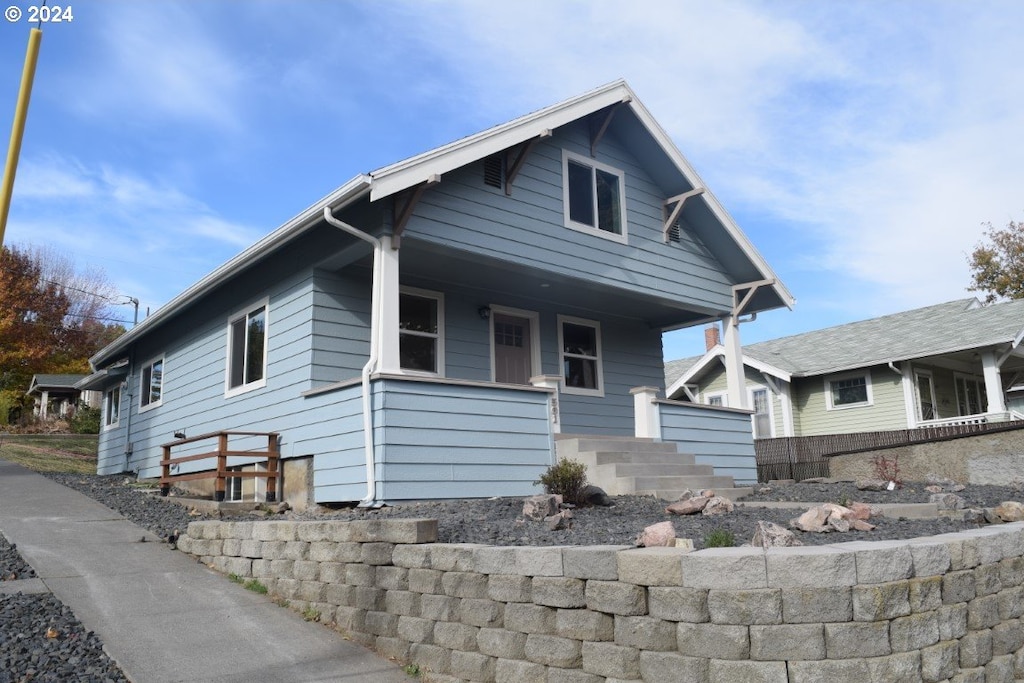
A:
<point x="35" y="36"/>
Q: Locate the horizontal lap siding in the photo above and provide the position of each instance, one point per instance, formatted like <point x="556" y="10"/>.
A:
<point x="341" y="325"/>
<point x="445" y="441"/>
<point x="719" y="438"/>
<point x="887" y="410"/>
<point x="528" y="227"/>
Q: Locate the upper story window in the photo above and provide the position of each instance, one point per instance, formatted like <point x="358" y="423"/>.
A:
<point x="593" y="197"/>
<point x="151" y="392"/>
<point x="247" y="350"/>
<point x="112" y="406"/>
<point x="420" y="340"/>
<point x="579" y="342"/>
<point x="848" y="391"/>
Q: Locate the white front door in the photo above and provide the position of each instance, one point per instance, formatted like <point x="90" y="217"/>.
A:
<point x="513" y="348"/>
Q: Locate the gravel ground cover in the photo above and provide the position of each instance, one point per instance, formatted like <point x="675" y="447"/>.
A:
<point x="499" y="521"/>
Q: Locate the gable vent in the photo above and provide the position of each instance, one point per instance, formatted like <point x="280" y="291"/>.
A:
<point x="673" y="233"/>
<point x="494" y="167"/>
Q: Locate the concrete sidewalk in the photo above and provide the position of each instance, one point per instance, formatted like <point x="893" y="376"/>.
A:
<point x="162" y="616"/>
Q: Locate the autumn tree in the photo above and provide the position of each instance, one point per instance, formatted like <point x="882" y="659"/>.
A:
<point x="48" y="321"/>
<point x="997" y="263"/>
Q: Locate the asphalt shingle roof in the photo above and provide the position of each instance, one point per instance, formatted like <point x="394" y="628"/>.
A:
<point x="943" y="328"/>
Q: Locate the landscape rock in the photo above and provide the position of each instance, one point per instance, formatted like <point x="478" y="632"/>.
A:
<point x="772" y="535"/>
<point x="1010" y="511"/>
<point x="690" y="506"/>
<point x="559" y="521"/>
<point x="947" y="501"/>
<point x="860" y="511"/>
<point x="831" y="517"/>
<point x="686" y="494"/>
<point x="975" y="516"/>
<point x="539" y="507"/>
<point x="933" y="489"/>
<point x="718" y="505"/>
<point x="861" y="525"/>
<point x="815" y="519"/>
<point x="595" y="495"/>
<point x="657" y="535"/>
<point x="708" y="493"/>
<point x="872" y="485"/>
<point x="990" y="516"/>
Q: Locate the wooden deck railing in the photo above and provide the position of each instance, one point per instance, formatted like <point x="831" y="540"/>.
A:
<point x="221" y="474"/>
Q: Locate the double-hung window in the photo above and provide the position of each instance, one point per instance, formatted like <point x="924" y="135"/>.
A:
<point x="593" y="197"/>
<point x="112" y="406"/>
<point x="247" y="350"/>
<point x="151" y="392"/>
<point x="420" y="325"/>
<point x="848" y="391"/>
<point x="579" y="342"/>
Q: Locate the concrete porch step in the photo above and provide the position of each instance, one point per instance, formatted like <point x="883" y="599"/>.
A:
<point x="570" y="448"/>
<point x="654" y="458"/>
<point x="669" y="495"/>
<point x="693" y="483"/>
<point x="647" y="469"/>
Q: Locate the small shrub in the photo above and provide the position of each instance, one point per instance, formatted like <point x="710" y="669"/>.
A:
<point x="255" y="586"/>
<point x="412" y="670"/>
<point x="887" y="469"/>
<point x="235" y="578"/>
<point x="311" y="614"/>
<point x="720" y="538"/>
<point x="567" y="478"/>
<point x="86" y="421"/>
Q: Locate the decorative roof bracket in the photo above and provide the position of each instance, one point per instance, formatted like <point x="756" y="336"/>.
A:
<point x="596" y="136"/>
<point x="401" y="218"/>
<point x="517" y="165"/>
<point x="750" y="288"/>
<point x="673" y="214"/>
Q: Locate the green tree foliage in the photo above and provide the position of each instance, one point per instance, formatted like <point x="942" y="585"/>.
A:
<point x="50" y="322"/>
<point x="997" y="263"/>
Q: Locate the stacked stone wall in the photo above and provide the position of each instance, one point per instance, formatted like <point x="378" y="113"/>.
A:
<point x="936" y="609"/>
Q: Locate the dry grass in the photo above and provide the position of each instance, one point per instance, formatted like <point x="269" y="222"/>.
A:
<point x="74" y="454"/>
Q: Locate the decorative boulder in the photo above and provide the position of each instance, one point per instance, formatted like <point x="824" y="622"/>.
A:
<point x="872" y="485"/>
<point x="947" y="501"/>
<point x="771" y="535"/>
<point x="539" y="507"/>
<point x="559" y="521"/>
<point x="657" y="535"/>
<point x="686" y="494"/>
<point x="690" y="506"/>
<point x="595" y="495"/>
<point x="717" y="505"/>
<point x="1010" y="511"/>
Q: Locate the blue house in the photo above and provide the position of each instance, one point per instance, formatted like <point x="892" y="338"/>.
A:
<point x="433" y="328"/>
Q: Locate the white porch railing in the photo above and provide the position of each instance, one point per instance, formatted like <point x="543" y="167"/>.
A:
<point x="977" y="419"/>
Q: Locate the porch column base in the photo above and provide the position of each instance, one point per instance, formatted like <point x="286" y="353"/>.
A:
<point x="646" y="419"/>
<point x="552" y="382"/>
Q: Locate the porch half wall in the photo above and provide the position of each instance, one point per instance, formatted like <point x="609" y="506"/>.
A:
<point x="721" y="437"/>
<point x="440" y="439"/>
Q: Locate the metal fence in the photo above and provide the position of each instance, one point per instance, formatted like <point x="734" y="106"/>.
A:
<point x="803" y="457"/>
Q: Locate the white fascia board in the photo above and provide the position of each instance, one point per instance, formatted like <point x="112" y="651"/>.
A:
<point x="767" y="368"/>
<point x="695" y="370"/>
<point x="717" y="209"/>
<point x="343" y="196"/>
<point x="415" y="170"/>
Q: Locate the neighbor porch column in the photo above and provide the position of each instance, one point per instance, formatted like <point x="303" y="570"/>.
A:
<point x="44" y="405"/>
<point x="388" y="358"/>
<point x="993" y="383"/>
<point x="647" y="420"/>
<point x="734" y="371"/>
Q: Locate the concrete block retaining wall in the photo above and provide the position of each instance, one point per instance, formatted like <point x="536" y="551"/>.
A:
<point x="941" y="608"/>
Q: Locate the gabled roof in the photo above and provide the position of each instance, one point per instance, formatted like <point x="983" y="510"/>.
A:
<point x="950" y="327"/>
<point x="414" y="171"/>
<point x="50" y="382"/>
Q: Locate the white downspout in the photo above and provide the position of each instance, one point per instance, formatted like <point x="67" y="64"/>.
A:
<point x="375" y="301"/>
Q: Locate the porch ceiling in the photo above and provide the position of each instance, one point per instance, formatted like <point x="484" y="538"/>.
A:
<point x="499" y="282"/>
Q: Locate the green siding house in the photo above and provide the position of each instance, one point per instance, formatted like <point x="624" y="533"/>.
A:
<point x="952" y="363"/>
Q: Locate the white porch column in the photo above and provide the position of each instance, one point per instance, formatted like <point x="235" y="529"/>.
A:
<point x="993" y="383"/>
<point x="44" y="405"/>
<point x="734" y="371"/>
<point x="388" y="353"/>
<point x="551" y="382"/>
<point x="786" y="401"/>
<point x="646" y="418"/>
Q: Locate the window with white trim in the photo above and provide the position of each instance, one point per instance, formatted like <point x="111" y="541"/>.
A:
<point x="594" y="196"/>
<point x="247" y="350"/>
<point x="579" y="343"/>
<point x="112" y="406"/>
<point x="848" y="391"/>
<point x="151" y="389"/>
<point x="971" y="398"/>
<point x="719" y="399"/>
<point x="420" y="322"/>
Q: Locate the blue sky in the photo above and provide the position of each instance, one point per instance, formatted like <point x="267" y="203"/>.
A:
<point x="860" y="145"/>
